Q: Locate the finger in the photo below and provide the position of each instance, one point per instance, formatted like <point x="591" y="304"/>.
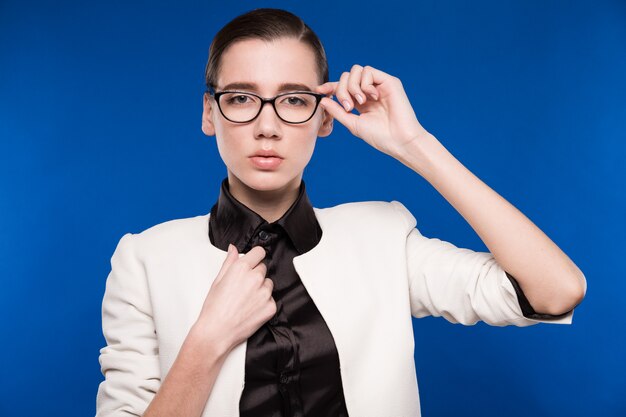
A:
<point x="327" y="88"/>
<point x="337" y="112"/>
<point x="261" y="268"/>
<point x="341" y="92"/>
<point x="231" y="256"/>
<point x="354" y="84"/>
<point x="380" y="77"/>
<point x="367" y="82"/>
<point x="253" y="257"/>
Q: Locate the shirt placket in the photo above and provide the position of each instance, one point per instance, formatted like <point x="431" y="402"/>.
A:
<point x="288" y="364"/>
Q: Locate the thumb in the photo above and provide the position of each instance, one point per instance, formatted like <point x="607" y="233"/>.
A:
<point x="231" y="256"/>
<point x="345" y="118"/>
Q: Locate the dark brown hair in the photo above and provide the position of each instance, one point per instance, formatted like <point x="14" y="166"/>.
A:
<point x="268" y="25"/>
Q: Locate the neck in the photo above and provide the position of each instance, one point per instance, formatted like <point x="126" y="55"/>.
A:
<point x="269" y="204"/>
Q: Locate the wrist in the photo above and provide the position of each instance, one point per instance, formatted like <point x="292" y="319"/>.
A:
<point x="209" y="340"/>
<point x="423" y="154"/>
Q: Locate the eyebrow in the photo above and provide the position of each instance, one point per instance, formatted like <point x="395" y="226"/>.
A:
<point x="281" y="88"/>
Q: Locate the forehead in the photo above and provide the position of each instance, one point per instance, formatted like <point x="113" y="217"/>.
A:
<point x="268" y="64"/>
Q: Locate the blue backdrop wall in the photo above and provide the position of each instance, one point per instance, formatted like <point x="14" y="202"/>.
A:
<point x="100" y="106"/>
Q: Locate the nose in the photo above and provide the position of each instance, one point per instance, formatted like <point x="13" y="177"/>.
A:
<point x="267" y="124"/>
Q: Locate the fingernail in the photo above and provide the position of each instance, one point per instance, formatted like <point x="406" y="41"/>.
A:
<point x="374" y="96"/>
<point x="346" y="104"/>
<point x="359" y="98"/>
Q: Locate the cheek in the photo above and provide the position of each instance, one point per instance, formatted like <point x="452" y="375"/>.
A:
<point x="311" y="139"/>
<point x="306" y="151"/>
<point x="227" y="149"/>
<point x="229" y="143"/>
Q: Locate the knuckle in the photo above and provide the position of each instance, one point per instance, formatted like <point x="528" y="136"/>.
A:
<point x="238" y="265"/>
<point x="354" y="88"/>
<point x="356" y="67"/>
<point x="258" y="275"/>
<point x="241" y="266"/>
<point x="343" y="95"/>
<point x="273" y="308"/>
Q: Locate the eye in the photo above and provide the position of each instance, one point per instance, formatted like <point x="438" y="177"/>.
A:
<point x="296" y="100"/>
<point x="238" y="99"/>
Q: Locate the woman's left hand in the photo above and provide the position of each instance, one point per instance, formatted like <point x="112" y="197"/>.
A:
<point x="386" y="119"/>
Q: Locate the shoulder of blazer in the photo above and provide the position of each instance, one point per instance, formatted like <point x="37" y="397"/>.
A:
<point x="174" y="235"/>
<point x="367" y="214"/>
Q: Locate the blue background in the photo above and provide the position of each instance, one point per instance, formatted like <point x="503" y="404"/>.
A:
<point x="100" y="107"/>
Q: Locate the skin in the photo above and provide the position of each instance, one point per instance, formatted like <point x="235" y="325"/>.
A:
<point x="269" y="192"/>
<point x="240" y="300"/>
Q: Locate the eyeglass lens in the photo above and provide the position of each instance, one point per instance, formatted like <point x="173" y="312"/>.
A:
<point x="294" y="108"/>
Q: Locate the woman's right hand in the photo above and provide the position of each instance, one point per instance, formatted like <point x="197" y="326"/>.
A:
<point x="239" y="300"/>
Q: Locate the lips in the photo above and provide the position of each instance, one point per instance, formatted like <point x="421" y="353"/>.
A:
<point x="266" y="160"/>
<point x="267" y="154"/>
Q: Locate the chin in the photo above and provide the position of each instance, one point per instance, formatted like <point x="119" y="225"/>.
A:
<point x="266" y="181"/>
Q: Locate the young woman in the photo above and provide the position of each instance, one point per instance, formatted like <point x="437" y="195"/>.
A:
<point x="268" y="306"/>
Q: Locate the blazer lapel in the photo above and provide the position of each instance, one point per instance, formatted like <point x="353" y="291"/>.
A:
<point x="331" y="273"/>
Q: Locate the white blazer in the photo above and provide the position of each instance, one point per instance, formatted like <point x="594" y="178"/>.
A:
<point x="371" y="271"/>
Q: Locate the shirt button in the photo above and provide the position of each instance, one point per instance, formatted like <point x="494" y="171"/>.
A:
<point x="284" y="378"/>
<point x="263" y="235"/>
<point x="274" y="320"/>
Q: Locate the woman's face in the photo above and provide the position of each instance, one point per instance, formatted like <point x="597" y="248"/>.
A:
<point x="265" y="66"/>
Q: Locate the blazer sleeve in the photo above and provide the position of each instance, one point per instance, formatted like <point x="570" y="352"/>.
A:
<point x="461" y="285"/>
<point x="129" y="361"/>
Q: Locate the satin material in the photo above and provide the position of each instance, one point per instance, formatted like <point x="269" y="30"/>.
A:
<point x="292" y="365"/>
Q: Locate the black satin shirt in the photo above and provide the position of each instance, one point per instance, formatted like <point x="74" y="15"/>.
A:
<point x="292" y="365"/>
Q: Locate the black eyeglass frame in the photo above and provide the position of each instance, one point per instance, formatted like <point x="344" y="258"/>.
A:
<point x="216" y="95"/>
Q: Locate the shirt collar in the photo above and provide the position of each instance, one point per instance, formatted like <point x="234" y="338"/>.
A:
<point x="233" y="222"/>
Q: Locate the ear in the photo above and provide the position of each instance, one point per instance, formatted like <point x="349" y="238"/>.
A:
<point x="327" y="124"/>
<point x="207" y="112"/>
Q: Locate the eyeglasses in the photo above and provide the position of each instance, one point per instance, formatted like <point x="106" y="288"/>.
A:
<point x="243" y="107"/>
